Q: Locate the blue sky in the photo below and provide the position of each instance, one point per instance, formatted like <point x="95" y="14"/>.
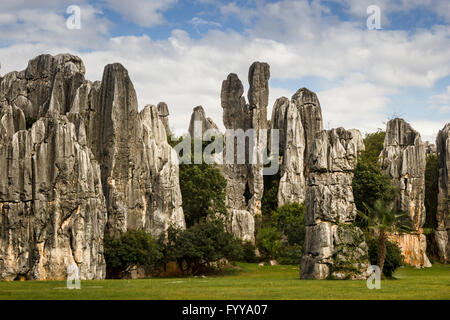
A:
<point x="179" y="51"/>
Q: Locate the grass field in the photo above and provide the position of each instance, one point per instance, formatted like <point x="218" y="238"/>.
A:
<point x="251" y="282"/>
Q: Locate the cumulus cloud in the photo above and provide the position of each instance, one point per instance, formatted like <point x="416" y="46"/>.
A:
<point x="428" y="129"/>
<point x="146" y="13"/>
<point x="358" y="7"/>
<point x="27" y="23"/>
<point x="199" y="21"/>
<point x="363" y="69"/>
<point x="441" y="101"/>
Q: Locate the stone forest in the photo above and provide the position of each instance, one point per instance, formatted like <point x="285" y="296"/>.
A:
<point x="79" y="164"/>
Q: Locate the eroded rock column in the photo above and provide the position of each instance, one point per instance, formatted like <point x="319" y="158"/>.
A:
<point x="333" y="245"/>
<point x="245" y="181"/>
<point x="403" y="158"/>
<point x="442" y="233"/>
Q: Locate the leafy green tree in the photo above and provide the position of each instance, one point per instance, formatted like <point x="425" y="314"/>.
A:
<point x="202" y="187"/>
<point x="290" y="220"/>
<point x="248" y="252"/>
<point x="203" y="191"/>
<point x="383" y="220"/>
<point x="269" y="242"/>
<point x="373" y="143"/>
<point x="132" y="248"/>
<point x="195" y="248"/>
<point x="370" y="182"/>
<point x="394" y="257"/>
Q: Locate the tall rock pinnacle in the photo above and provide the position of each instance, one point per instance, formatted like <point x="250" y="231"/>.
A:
<point x="403" y="158"/>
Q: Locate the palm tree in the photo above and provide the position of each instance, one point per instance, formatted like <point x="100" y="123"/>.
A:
<point x="383" y="220"/>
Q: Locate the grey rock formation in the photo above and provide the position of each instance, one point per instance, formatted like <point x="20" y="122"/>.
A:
<point x="89" y="153"/>
<point x="245" y="181"/>
<point x="442" y="233"/>
<point x="297" y="131"/>
<point x="333" y="245"/>
<point x="137" y="166"/>
<point x="199" y="124"/>
<point x="287" y="119"/>
<point x="163" y="111"/>
<point x="48" y="83"/>
<point x="311" y="115"/>
<point x="403" y="158"/>
<point x="164" y="199"/>
<point x="52" y="208"/>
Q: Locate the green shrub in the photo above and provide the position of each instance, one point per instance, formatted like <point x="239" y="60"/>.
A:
<point x="269" y="242"/>
<point x="369" y="181"/>
<point x="290" y="254"/>
<point x="394" y="257"/>
<point x="290" y="220"/>
<point x="248" y="252"/>
<point x="132" y="248"/>
<point x="197" y="247"/>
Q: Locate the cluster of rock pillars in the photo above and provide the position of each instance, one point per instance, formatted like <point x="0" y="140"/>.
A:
<point x="78" y="161"/>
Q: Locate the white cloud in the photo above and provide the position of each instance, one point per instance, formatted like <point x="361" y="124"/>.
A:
<point x="441" y="102"/>
<point x="428" y="129"/>
<point x="297" y="40"/>
<point x="46" y="25"/>
<point x="146" y="13"/>
<point x="358" y="7"/>
<point x="201" y="22"/>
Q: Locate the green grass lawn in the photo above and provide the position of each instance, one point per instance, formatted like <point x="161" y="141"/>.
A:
<point x="252" y="282"/>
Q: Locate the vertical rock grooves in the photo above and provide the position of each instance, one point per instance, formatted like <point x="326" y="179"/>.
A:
<point x="89" y="162"/>
<point x="333" y="245"/>
<point x="403" y="158"/>
<point x="442" y="233"/>
<point x="199" y="124"/>
<point x="245" y="181"/>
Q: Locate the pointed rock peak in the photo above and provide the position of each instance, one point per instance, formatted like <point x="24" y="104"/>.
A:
<point x="149" y="112"/>
<point x="46" y="65"/>
<point x="163" y="109"/>
<point x="199" y="123"/>
<point x="116" y="69"/>
<point x="235" y="110"/>
<point x="399" y="132"/>
<point x="304" y="96"/>
<point x="232" y="91"/>
<point x="199" y="109"/>
<point x="117" y="91"/>
<point x="258" y="79"/>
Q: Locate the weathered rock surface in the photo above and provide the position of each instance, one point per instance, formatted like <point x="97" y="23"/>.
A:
<point x="403" y="158"/>
<point x="89" y="153"/>
<point x="333" y="245"/>
<point x="287" y="119"/>
<point x="52" y="208"/>
<point x="163" y="111"/>
<point x="311" y="115"/>
<point x="442" y="233"/>
<point x="48" y="83"/>
<point x="245" y="180"/>
<point x="199" y="124"/>
<point x="297" y="131"/>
